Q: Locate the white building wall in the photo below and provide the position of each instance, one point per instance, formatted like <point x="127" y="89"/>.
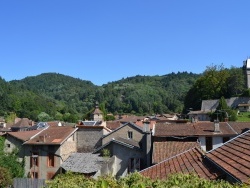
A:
<point x="217" y="142"/>
<point x="202" y="141"/>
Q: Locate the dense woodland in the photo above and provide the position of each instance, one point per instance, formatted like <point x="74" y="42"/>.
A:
<point x="53" y="96"/>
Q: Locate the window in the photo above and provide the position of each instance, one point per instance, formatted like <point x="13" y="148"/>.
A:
<point x="51" y="160"/>
<point x="225" y="139"/>
<point x="209" y="143"/>
<point x="8" y="145"/>
<point x="130" y="134"/>
<point x="34" y="159"/>
<point x="34" y="174"/>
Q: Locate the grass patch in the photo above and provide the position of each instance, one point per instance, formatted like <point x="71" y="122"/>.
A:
<point x="243" y="117"/>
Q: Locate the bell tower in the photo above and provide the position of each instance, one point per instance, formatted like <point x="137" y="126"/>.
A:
<point x="246" y="67"/>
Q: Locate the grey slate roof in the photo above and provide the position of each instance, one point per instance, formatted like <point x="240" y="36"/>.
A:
<point x="83" y="163"/>
<point x="232" y="102"/>
<point x="129" y="143"/>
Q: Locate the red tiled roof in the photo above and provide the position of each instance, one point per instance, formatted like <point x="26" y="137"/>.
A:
<point x="190" y="161"/>
<point x="207" y="128"/>
<point x="52" y="135"/>
<point x="24" y="135"/>
<point x="53" y="123"/>
<point x="112" y="125"/>
<point x="234" y="157"/>
<point x="181" y="129"/>
<point x="132" y="118"/>
<point x="164" y="150"/>
<point x="24" y="122"/>
<point x="193" y="129"/>
<point x="240" y="127"/>
<point x="141" y="124"/>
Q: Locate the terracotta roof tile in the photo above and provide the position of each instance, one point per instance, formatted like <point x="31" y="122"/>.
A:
<point x="193" y="129"/>
<point x="112" y="125"/>
<point x="132" y="118"/>
<point x="234" y="157"/>
<point x="240" y="127"/>
<point x="141" y="124"/>
<point x="181" y="129"/>
<point x="24" y="122"/>
<point x="207" y="128"/>
<point x="190" y="161"/>
<point x="24" y="135"/>
<point x="164" y="150"/>
<point x="52" y="135"/>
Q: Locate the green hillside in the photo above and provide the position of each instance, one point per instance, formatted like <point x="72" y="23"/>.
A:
<point x="66" y="98"/>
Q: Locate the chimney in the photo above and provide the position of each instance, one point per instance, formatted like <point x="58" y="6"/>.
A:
<point x="216" y="126"/>
<point x="42" y="138"/>
<point x="146" y="125"/>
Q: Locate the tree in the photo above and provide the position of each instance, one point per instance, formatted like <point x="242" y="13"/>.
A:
<point x="215" y="82"/>
<point x="11" y="161"/>
<point x="223" y="111"/>
<point x="5" y="177"/>
<point x="43" y="117"/>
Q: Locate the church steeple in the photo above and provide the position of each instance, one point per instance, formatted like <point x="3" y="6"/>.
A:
<point x="97" y="115"/>
<point x="246" y="67"/>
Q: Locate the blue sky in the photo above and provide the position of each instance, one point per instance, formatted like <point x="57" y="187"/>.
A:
<point x="106" y="40"/>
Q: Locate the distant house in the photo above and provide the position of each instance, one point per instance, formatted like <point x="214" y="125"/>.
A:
<point x="130" y="146"/>
<point x="21" y="124"/>
<point x="112" y="125"/>
<point x="2" y="122"/>
<point x="244" y="107"/>
<point x="4" y="127"/>
<point x="43" y="150"/>
<point x="233" y="102"/>
<point x="199" y="115"/>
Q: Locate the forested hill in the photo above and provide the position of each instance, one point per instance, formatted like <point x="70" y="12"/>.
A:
<point x="66" y="98"/>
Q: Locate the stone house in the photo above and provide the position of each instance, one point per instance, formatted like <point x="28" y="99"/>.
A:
<point x="130" y="148"/>
<point x="43" y="150"/>
<point x="199" y="115"/>
<point x="89" y="138"/>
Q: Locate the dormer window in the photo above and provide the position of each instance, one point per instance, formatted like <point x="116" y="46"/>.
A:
<point x="130" y="135"/>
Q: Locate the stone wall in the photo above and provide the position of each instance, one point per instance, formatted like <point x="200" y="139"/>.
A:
<point x="89" y="138"/>
<point x="123" y="133"/>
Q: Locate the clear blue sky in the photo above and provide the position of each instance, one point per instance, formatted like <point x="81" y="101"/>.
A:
<point x="106" y="40"/>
